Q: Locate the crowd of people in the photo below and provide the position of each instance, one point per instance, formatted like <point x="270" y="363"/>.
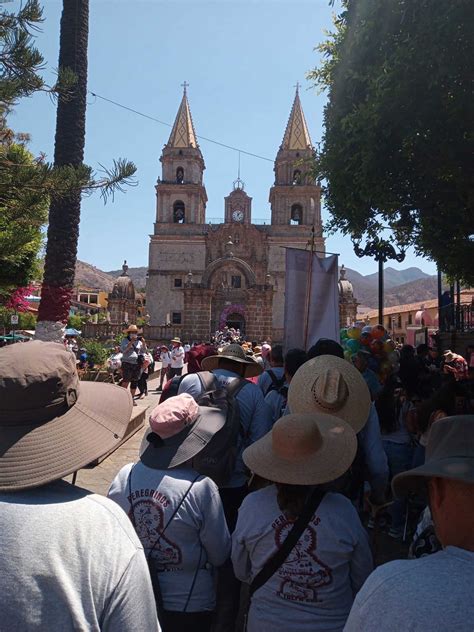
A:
<point x="260" y="478"/>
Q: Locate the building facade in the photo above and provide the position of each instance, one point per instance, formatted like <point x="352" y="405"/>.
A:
<point x="204" y="276"/>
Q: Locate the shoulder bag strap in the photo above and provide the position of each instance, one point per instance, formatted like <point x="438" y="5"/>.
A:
<point x="172" y="515"/>
<point x="208" y="381"/>
<point x="235" y="386"/>
<point x="274" y="563"/>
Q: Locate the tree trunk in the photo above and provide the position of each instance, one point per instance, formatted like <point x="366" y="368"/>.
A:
<point x="65" y="212"/>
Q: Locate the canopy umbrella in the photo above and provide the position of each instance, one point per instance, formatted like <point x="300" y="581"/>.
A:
<point x="72" y="332"/>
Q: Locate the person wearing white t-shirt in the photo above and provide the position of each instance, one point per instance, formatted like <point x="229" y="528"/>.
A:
<point x="165" y="359"/>
<point x="177" y="358"/>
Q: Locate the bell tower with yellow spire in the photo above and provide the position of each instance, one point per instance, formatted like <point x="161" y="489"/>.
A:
<point x="295" y="197"/>
<point x="180" y="194"/>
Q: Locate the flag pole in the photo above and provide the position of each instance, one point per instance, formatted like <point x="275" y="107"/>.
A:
<point x="308" y="288"/>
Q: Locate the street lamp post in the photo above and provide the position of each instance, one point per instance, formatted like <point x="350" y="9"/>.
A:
<point x="381" y="250"/>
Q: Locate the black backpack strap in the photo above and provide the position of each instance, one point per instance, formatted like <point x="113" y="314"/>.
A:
<point x="235" y="386"/>
<point x="208" y="381"/>
<point x="274" y="563"/>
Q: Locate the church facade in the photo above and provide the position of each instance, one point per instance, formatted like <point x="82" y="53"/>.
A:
<point x="203" y="276"/>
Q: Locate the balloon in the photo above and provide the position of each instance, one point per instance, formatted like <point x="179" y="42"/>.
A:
<point x="378" y="331"/>
<point x="348" y="355"/>
<point x="367" y="329"/>
<point x="343" y="333"/>
<point x="353" y="345"/>
<point x="388" y="346"/>
<point x="354" y="333"/>
<point x="365" y="338"/>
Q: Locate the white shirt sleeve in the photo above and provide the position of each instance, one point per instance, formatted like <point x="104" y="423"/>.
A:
<point x="240" y="555"/>
<point x="191" y="384"/>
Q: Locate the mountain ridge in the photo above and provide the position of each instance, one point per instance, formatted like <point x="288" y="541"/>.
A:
<point x="420" y="285"/>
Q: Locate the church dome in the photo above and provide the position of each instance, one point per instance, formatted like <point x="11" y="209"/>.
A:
<point x="123" y="287"/>
<point x="345" y="286"/>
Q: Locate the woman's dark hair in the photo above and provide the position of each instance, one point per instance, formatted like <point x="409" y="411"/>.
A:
<point x="388" y="407"/>
<point x="294" y="358"/>
<point x="291" y="499"/>
<point x="444" y="399"/>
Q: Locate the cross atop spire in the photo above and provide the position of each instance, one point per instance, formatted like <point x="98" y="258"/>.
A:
<point x="297" y="86"/>
<point x="183" y="133"/>
<point x="296" y="133"/>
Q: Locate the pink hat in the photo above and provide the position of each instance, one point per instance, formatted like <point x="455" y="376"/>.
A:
<point x="173" y="415"/>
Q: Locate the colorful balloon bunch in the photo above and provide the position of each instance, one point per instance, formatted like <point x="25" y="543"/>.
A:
<point x="376" y="341"/>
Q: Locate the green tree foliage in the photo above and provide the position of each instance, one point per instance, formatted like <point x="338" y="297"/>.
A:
<point x="27" y="184"/>
<point x="75" y="321"/>
<point x="398" y="144"/>
<point x="23" y="213"/>
<point x="96" y="352"/>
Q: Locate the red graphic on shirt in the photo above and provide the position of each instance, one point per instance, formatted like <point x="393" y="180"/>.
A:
<point x="303" y="572"/>
<point x="149" y="522"/>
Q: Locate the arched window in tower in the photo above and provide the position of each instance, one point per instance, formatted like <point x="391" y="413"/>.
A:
<point x="296" y="217"/>
<point x="180" y="175"/>
<point x="179" y="212"/>
<point x="296" y="177"/>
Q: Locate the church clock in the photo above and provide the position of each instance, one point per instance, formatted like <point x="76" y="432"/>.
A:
<point x="238" y="216"/>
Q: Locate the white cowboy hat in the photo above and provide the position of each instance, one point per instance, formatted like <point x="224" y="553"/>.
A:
<point x="303" y="450"/>
<point x="333" y="386"/>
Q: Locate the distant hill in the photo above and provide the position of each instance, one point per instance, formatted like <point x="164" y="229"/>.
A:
<point x="394" y="277"/>
<point x="401" y="286"/>
<point x="91" y="277"/>
<point x="138" y="276"/>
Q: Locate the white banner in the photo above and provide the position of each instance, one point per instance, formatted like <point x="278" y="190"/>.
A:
<point x="311" y="299"/>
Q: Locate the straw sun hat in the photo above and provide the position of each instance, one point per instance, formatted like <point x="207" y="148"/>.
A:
<point x="329" y="385"/>
<point x="300" y="449"/>
<point x="235" y="353"/>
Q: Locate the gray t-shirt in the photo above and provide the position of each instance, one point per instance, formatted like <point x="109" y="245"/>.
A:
<point x="130" y="354"/>
<point x="195" y="541"/>
<point x="71" y="561"/>
<point x="429" y="594"/>
<point x="314" y="588"/>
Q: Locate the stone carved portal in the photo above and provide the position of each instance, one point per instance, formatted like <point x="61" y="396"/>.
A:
<point x="233" y="316"/>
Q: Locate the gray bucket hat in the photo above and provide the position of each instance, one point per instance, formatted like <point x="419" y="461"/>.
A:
<point x="449" y="454"/>
<point x="179" y="430"/>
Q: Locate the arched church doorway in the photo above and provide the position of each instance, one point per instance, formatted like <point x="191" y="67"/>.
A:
<point x="236" y="321"/>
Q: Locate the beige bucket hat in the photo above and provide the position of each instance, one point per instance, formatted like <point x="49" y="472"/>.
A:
<point x="306" y="449"/>
<point x="235" y="353"/>
<point x="449" y="454"/>
<point x="330" y="385"/>
<point x="51" y="424"/>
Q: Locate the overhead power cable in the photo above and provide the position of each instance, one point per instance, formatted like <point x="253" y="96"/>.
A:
<point x="152" y="118"/>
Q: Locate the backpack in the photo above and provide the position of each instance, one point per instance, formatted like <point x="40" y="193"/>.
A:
<point x="277" y="383"/>
<point x="217" y="459"/>
<point x="351" y="483"/>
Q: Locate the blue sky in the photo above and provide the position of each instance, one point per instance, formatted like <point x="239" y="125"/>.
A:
<point x="241" y="59"/>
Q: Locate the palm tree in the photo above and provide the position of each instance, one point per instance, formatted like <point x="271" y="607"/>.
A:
<point x="65" y="210"/>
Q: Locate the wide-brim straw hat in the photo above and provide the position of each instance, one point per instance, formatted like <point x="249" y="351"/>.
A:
<point x="235" y="353"/>
<point x="449" y="454"/>
<point x="131" y="329"/>
<point x="309" y="449"/>
<point x="51" y="424"/>
<point x="327" y="384"/>
<point x="177" y="340"/>
<point x="163" y="454"/>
